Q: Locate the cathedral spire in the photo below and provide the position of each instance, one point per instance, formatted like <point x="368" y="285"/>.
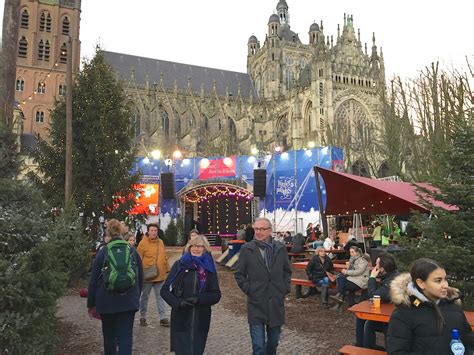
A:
<point x="282" y="10"/>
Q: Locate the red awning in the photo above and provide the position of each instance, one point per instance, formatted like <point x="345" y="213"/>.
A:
<point x="348" y="194"/>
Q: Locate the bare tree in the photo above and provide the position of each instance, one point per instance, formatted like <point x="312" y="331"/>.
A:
<point x="11" y="17"/>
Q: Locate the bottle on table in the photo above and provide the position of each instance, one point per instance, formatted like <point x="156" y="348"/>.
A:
<point x="457" y="347"/>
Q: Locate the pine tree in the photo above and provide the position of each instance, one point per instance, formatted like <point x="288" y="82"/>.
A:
<point x="171" y="234"/>
<point x="103" y="151"/>
<point x="448" y="237"/>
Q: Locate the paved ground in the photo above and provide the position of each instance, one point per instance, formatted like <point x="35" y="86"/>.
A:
<point x="228" y="334"/>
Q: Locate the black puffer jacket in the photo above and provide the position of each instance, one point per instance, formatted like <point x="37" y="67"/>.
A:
<point x="316" y="270"/>
<point x="413" y="327"/>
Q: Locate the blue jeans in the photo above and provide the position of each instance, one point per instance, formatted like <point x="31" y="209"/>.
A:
<point x="370" y="328"/>
<point x="117" y="329"/>
<point x="156" y="286"/>
<point x="260" y="345"/>
<point x="323" y="282"/>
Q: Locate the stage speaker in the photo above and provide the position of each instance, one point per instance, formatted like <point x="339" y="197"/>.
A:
<point x="259" y="182"/>
<point x="167" y="185"/>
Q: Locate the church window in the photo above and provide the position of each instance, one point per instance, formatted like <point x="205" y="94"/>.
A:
<point x="62" y="90"/>
<point x="273" y="56"/>
<point x="41" y="88"/>
<point x="40" y="50"/>
<point x="321" y="90"/>
<point x="22" y="47"/>
<point x="42" y="21"/>
<point x="63" y="55"/>
<point x="321" y="123"/>
<point x="25" y="18"/>
<point x="165" y="122"/>
<point x="273" y="43"/>
<point x="66" y="26"/>
<point x="289" y="78"/>
<point x="303" y="62"/>
<point x="273" y="30"/>
<point x="48" y="23"/>
<point x="39" y="117"/>
<point x="321" y="111"/>
<point x="20" y="85"/>
<point x="289" y="60"/>
<point x="308" y="113"/>
<point x="47" y="50"/>
<point x="321" y="73"/>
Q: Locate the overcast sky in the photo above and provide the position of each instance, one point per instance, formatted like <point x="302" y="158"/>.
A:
<point x="214" y="33"/>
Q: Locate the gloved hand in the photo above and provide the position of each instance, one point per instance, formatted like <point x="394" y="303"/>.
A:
<point x="192" y="300"/>
<point x="185" y="304"/>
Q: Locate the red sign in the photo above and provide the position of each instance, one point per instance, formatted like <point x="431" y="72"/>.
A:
<point x="214" y="168"/>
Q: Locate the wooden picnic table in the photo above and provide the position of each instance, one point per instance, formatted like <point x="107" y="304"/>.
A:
<point x="364" y="310"/>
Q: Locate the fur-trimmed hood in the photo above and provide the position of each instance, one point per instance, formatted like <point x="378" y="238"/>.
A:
<point x="402" y="292"/>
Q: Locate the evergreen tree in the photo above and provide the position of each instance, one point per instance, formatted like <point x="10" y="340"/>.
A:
<point x="171" y="234"/>
<point x="448" y="237"/>
<point x="103" y="151"/>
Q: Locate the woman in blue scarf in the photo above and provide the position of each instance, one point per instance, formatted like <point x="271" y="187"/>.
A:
<point x="191" y="289"/>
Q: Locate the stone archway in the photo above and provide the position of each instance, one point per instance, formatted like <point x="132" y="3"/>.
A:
<point x="352" y="126"/>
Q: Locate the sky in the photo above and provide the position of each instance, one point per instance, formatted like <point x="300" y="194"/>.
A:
<point x="214" y="33"/>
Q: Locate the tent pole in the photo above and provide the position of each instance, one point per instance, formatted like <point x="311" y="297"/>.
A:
<point x="320" y="203"/>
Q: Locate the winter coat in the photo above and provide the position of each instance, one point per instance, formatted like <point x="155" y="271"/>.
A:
<point x="358" y="271"/>
<point x="413" y="326"/>
<point x="316" y="270"/>
<point x="241" y="234"/>
<point x="383" y="288"/>
<point x="249" y="234"/>
<point x="190" y="325"/>
<point x="147" y="250"/>
<point x="298" y="244"/>
<point x="109" y="302"/>
<point x="265" y="289"/>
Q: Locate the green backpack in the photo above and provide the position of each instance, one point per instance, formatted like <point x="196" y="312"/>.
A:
<point x="119" y="271"/>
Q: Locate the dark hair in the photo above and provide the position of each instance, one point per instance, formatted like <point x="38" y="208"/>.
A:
<point x="357" y="249"/>
<point x="387" y="261"/>
<point x="422" y="269"/>
<point x="152" y="225"/>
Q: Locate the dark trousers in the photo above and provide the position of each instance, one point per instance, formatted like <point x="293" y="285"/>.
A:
<point x="117" y="329"/>
<point x="370" y="328"/>
<point x="343" y="285"/>
<point x="360" y="332"/>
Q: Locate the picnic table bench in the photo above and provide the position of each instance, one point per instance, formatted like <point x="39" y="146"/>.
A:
<point x="355" y="350"/>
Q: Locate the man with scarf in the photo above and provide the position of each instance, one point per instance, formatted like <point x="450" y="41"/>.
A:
<point x="191" y="289"/>
<point x="263" y="273"/>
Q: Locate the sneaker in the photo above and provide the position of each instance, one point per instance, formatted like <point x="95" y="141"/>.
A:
<point x="165" y="322"/>
<point x="337" y="298"/>
<point x="143" y="322"/>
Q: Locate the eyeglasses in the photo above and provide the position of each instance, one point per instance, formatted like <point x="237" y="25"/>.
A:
<point x="261" y="229"/>
<point x="196" y="246"/>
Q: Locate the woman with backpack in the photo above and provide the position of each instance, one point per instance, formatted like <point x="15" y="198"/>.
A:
<point x="114" y="290"/>
<point x="191" y="289"/>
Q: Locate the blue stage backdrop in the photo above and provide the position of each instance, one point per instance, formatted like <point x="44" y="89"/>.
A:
<point x="290" y="177"/>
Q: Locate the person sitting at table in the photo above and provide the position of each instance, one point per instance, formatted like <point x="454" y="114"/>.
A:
<point x="279" y="238"/>
<point x="318" y="269"/>
<point x="351" y="242"/>
<point x="288" y="239"/>
<point x="310" y="234"/>
<point x="298" y="244"/>
<point x="329" y="243"/>
<point x="386" y="269"/>
<point x="426" y="312"/>
<point x="241" y="232"/>
<point x="352" y="279"/>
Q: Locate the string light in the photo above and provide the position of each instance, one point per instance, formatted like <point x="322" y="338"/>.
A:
<point x="205" y="192"/>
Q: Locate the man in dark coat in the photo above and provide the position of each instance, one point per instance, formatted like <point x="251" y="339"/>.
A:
<point x="249" y="233"/>
<point x="263" y="273"/>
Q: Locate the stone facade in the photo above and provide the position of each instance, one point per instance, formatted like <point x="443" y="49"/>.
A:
<point x="326" y="92"/>
<point x="45" y="26"/>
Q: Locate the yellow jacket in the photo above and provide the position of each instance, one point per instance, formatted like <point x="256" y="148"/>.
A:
<point x="147" y="250"/>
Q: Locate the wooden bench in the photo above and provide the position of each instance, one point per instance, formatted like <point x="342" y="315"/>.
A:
<point x="355" y="350"/>
<point x="299" y="283"/>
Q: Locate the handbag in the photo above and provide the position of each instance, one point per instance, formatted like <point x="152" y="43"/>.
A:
<point x="331" y="277"/>
<point x="151" y="272"/>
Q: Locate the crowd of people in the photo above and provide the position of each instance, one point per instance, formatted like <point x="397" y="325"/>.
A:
<point x="123" y="276"/>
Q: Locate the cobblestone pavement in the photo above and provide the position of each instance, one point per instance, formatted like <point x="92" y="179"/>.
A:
<point x="228" y="334"/>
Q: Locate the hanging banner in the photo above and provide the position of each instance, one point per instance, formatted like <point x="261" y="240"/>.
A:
<point x="214" y="168"/>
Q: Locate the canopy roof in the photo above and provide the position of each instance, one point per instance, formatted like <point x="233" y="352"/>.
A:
<point x="348" y="194"/>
